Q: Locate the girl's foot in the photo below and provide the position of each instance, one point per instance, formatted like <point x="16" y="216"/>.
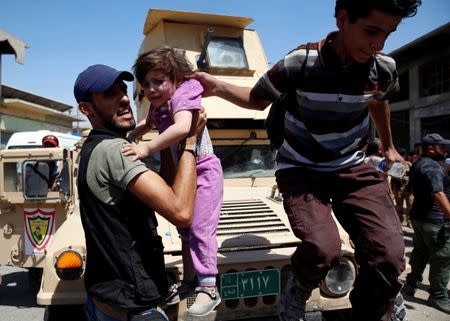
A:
<point x="207" y="298"/>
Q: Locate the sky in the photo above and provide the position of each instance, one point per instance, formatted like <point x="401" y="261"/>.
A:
<point x="65" y="37"/>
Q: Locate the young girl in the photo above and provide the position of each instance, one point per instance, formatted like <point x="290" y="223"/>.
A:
<point x="161" y="73"/>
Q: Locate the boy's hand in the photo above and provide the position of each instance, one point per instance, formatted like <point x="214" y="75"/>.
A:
<point x="208" y="82"/>
<point x="392" y="156"/>
<point x="139" y="151"/>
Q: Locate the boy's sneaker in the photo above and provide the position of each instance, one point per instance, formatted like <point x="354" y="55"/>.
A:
<point x="179" y="291"/>
<point x="207" y="298"/>
<point x="440" y="304"/>
<point x="293" y="301"/>
<point x="399" y="312"/>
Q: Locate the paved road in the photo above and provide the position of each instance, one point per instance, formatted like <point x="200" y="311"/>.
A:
<point x="17" y="301"/>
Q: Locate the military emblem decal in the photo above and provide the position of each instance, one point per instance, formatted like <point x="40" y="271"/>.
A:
<point x="39" y="229"/>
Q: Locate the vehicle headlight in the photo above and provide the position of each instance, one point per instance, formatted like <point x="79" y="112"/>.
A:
<point x="339" y="280"/>
<point x="69" y="265"/>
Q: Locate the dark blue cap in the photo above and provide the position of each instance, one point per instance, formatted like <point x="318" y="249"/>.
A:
<point x="97" y="79"/>
<point x="434" y="139"/>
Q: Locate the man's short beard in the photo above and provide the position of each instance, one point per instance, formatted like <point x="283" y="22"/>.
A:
<point x="120" y="129"/>
<point x="111" y="125"/>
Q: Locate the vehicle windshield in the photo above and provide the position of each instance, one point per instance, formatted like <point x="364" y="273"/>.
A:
<point x="238" y="161"/>
<point x="247" y="160"/>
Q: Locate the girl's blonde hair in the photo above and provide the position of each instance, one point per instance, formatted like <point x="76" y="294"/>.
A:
<point x="168" y="60"/>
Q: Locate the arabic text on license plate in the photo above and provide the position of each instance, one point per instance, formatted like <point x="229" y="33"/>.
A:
<point x="249" y="284"/>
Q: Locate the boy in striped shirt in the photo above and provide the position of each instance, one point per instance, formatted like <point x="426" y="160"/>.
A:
<point x="344" y="81"/>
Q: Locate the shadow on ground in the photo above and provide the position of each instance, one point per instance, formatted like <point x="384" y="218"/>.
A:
<point x="12" y="291"/>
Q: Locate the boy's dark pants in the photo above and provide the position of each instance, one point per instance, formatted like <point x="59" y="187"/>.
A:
<point x="360" y="202"/>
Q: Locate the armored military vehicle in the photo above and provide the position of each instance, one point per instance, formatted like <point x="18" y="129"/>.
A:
<point x="255" y="239"/>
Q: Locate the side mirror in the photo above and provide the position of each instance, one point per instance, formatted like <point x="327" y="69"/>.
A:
<point x="64" y="187"/>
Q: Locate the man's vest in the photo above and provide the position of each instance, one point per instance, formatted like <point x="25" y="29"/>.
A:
<point x="125" y="262"/>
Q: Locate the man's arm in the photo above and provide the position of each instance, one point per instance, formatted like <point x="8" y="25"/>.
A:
<point x="381" y="116"/>
<point x="442" y="201"/>
<point x="175" y="203"/>
<point x="244" y="97"/>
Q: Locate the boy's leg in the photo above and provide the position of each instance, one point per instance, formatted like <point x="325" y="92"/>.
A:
<point x="307" y="205"/>
<point x="203" y="234"/>
<point x="363" y="207"/>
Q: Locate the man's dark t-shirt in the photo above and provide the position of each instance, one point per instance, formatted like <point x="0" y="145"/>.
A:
<point x="427" y="177"/>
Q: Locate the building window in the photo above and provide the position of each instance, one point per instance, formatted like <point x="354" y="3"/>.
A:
<point x="435" y="77"/>
<point x="403" y="94"/>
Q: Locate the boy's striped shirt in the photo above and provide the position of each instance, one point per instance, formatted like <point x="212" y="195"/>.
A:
<point x="330" y="122"/>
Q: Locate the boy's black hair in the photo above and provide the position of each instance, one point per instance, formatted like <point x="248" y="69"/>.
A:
<point x="362" y="8"/>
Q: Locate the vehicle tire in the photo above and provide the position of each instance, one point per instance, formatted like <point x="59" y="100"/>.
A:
<point x="65" y="313"/>
<point x="34" y="279"/>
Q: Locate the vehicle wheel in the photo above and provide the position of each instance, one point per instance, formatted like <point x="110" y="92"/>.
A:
<point x="34" y="279"/>
<point x="65" y="313"/>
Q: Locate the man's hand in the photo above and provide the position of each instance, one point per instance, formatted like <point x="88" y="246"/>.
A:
<point x="209" y="83"/>
<point x="198" y="124"/>
<point x="139" y="151"/>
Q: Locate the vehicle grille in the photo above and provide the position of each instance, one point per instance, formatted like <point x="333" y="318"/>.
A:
<point x="248" y="217"/>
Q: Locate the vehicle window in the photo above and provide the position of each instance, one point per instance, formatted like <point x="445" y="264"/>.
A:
<point x="35" y="179"/>
<point x="38" y="177"/>
<point x="247" y="161"/>
<point x="226" y="53"/>
<point x="11" y="177"/>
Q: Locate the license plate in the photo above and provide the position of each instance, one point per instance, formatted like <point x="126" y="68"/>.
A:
<point x="249" y="284"/>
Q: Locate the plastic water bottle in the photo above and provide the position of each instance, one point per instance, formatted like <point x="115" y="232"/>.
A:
<point x="397" y="169"/>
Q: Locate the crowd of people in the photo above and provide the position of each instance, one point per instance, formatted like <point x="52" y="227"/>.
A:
<point x="320" y="168"/>
<point x="421" y="201"/>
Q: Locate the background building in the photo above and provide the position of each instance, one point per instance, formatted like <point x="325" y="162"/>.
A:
<point x="423" y="104"/>
<point x="23" y="111"/>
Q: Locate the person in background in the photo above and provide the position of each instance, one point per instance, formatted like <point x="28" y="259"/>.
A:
<point x="430" y="218"/>
<point x="51" y="141"/>
<point x="48" y="141"/>
<point x="402" y="192"/>
<point x="125" y="276"/>
<point x="373" y="157"/>
<point x="345" y="81"/>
